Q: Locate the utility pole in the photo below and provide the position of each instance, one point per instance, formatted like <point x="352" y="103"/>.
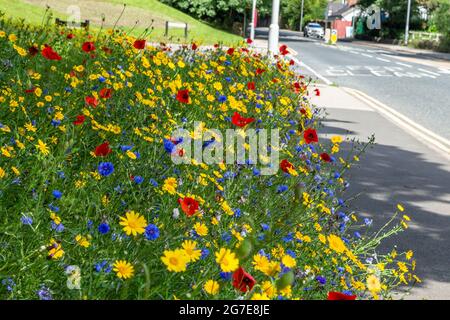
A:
<point x="274" y="29"/>
<point x="301" y="16"/>
<point x="252" y="24"/>
<point x="407" y="23"/>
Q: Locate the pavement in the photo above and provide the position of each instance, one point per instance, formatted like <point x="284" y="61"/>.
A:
<point x="409" y="164"/>
<point x="397" y="169"/>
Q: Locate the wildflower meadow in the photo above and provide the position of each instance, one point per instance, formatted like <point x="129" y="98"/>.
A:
<point x="94" y="205"/>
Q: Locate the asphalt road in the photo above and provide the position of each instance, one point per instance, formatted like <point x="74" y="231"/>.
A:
<point x="420" y="92"/>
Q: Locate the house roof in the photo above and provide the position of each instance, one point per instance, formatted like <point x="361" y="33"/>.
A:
<point x="337" y="10"/>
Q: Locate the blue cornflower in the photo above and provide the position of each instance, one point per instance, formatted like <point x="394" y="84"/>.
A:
<point x="151" y="232"/>
<point x="291" y="253"/>
<point x="138" y="179"/>
<point x="125" y="148"/>
<point x="222" y="98"/>
<point x="105" y="168"/>
<point x="57" y="194"/>
<point x="265" y="226"/>
<point x="357" y="235"/>
<point x="226" y="275"/>
<point x="237" y="212"/>
<point x="282" y="188"/>
<point x="153" y="182"/>
<point x="57" y="227"/>
<point x="321" y="280"/>
<point x="168" y="145"/>
<point x="26" y="220"/>
<point x="53" y="207"/>
<point x="256" y="171"/>
<point x="103" y="228"/>
<point x="368" y="221"/>
<point x="9" y="284"/>
<point x="226" y="237"/>
<point x="44" y="293"/>
<point x="205" y="253"/>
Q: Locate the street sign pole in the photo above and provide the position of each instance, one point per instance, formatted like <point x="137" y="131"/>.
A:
<point x="407" y="23"/>
<point x="252" y="24"/>
<point x="274" y="29"/>
<point x="301" y="16"/>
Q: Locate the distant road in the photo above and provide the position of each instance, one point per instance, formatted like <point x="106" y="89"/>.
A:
<point x="420" y="92"/>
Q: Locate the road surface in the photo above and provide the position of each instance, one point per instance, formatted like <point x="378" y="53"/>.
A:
<point x="420" y="91"/>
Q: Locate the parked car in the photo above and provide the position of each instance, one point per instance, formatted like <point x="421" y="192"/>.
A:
<point x="314" y="30"/>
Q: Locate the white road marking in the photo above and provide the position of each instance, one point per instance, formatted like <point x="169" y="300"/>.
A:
<point x="384" y="60"/>
<point x="354" y="52"/>
<point x="404" y="64"/>
<point x="318" y="75"/>
<point x="433" y="73"/>
<point x="378" y="71"/>
<point x="444" y="70"/>
<point x="366" y="55"/>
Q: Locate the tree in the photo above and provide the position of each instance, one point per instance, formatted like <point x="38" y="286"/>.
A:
<point x="222" y="12"/>
<point x="313" y="10"/>
<point x="441" y="19"/>
<point x="394" y="26"/>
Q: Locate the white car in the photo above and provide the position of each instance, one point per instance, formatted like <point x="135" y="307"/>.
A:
<point x="314" y="30"/>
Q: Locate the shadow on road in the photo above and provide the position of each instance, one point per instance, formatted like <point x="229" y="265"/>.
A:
<point x="387" y="175"/>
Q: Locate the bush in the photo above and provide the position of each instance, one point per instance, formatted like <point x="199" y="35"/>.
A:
<point x="93" y="207"/>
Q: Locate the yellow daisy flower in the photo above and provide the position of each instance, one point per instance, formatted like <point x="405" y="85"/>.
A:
<point x="133" y="223"/>
<point x="123" y="269"/>
<point x="175" y="260"/>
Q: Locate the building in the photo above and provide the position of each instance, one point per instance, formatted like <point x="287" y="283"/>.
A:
<point x="341" y="15"/>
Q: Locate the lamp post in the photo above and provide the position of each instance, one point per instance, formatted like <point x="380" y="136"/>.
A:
<point x="252" y="24"/>
<point x="301" y="16"/>
<point x="407" y="23"/>
<point x="274" y="29"/>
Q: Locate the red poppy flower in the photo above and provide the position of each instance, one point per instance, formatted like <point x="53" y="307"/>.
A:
<point x="188" y="205"/>
<point x="103" y="150"/>
<point x="283" y="50"/>
<point x="242" y="280"/>
<point x="291" y="62"/>
<point x="139" y="44"/>
<point x="249" y="41"/>
<point x="240" y="121"/>
<point x="230" y="51"/>
<point x="105" y="93"/>
<point x="303" y="111"/>
<point x="80" y="119"/>
<point x="194" y="46"/>
<point x="50" y="54"/>
<point x="88" y="46"/>
<point x="317" y="91"/>
<point x="32" y="90"/>
<point x="260" y="71"/>
<point x="91" y="101"/>
<point x="340" y="296"/>
<point x="70" y="36"/>
<point x="285" y="165"/>
<point x="310" y="135"/>
<point x="183" y="96"/>
<point x="325" y="157"/>
<point x="251" y="86"/>
<point x="33" y="51"/>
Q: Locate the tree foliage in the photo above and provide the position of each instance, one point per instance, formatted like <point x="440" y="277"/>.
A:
<point x="312" y="10"/>
<point x="219" y="11"/>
